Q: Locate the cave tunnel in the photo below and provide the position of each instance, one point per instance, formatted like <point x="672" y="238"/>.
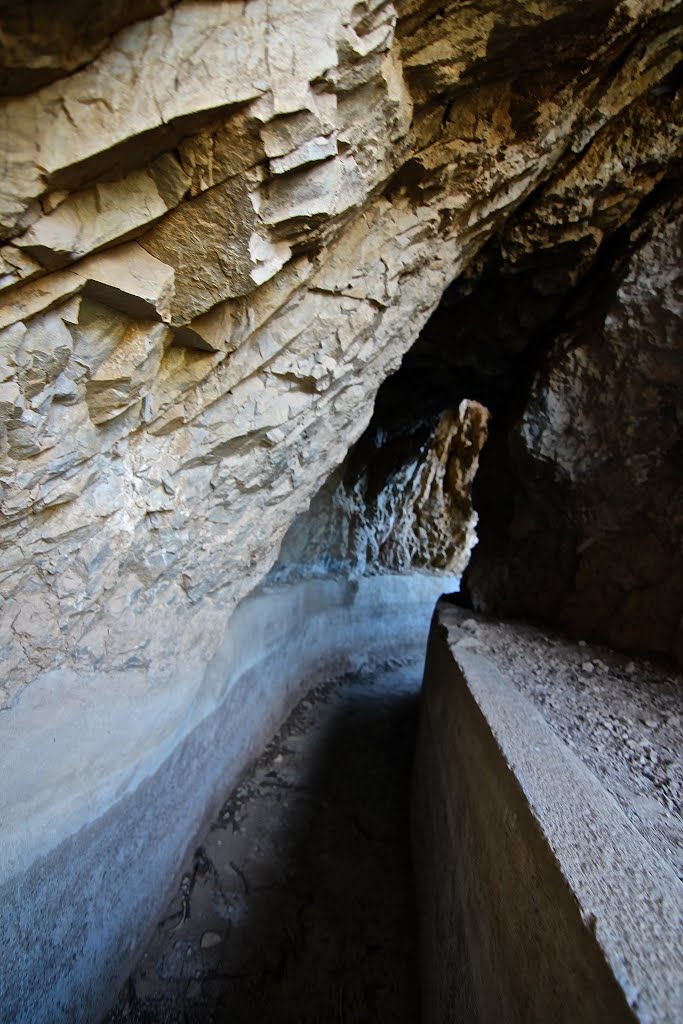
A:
<point x="341" y="522"/>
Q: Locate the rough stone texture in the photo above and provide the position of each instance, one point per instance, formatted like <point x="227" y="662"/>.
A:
<point x="400" y="502"/>
<point x="589" y="530"/>
<point x="41" y="41"/>
<point x="172" y="402"/>
<point x="620" y="715"/>
<point x="216" y="244"/>
<point x="538" y="900"/>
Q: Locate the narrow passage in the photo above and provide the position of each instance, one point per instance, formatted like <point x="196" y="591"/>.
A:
<point x="297" y="906"/>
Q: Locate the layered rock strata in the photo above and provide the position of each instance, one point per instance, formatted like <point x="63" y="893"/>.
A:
<point x="217" y="244"/>
<point x="222" y="226"/>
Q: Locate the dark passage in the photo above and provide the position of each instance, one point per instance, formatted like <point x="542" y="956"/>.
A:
<point x="298" y="905"/>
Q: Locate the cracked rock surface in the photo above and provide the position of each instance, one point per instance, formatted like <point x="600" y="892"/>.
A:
<point x="298" y="904"/>
<point x="222" y="227"/>
<point x="580" y="498"/>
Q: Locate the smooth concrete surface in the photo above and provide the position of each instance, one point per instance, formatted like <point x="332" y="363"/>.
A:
<point x="106" y="782"/>
<point x="538" y="901"/>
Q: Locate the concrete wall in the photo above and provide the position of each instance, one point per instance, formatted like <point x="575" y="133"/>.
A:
<point x="106" y="780"/>
<point x="538" y="901"/>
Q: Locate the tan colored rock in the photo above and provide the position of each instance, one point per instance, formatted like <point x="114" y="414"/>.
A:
<point x="160" y="69"/>
<point x="96" y="217"/>
<point x="296" y="214"/>
<point x="39" y="297"/>
<point x="206" y="241"/>
<point x="131" y="280"/>
<point x="42" y="41"/>
<point x="120" y="379"/>
<point x="224" y="225"/>
<point x="127" y="278"/>
<point x="602" y="188"/>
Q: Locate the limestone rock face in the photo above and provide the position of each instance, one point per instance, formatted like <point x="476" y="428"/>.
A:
<point x="222" y="227"/>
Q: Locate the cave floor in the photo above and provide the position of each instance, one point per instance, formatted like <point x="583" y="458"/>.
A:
<point x="297" y="906"/>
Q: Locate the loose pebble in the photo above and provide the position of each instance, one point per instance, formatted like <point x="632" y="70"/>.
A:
<point x="621" y="717"/>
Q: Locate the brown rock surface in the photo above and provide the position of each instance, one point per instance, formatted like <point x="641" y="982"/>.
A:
<point x="223" y="227"/>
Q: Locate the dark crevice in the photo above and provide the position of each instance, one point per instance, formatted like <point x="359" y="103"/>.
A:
<point x="476" y="346"/>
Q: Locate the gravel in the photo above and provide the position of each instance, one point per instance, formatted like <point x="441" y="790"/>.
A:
<point x="620" y="714"/>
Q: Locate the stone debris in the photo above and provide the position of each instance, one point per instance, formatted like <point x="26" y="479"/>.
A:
<point x="622" y="719"/>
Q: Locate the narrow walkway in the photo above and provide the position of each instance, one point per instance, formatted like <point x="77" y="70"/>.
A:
<point x="297" y="907"/>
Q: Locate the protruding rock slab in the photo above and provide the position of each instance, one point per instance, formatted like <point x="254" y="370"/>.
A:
<point x="538" y="900"/>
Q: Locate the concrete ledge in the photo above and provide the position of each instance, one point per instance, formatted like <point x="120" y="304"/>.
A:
<point x="105" y="783"/>
<point x="538" y="900"/>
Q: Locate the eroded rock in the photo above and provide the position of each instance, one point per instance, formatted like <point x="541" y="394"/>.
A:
<point x="218" y="244"/>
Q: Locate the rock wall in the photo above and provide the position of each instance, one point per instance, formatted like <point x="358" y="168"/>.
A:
<point x="581" y="498"/>
<point x="400" y="502"/>
<point x="538" y="899"/>
<point x="217" y="243"/>
<point x="126" y="781"/>
<point x="222" y="226"/>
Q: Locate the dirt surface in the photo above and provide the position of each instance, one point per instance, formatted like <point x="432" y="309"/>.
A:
<point x="622" y="716"/>
<point x="297" y="907"/>
<point x="298" y="904"/>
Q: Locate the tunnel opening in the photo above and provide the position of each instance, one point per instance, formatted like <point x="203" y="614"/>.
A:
<point x="298" y="904"/>
<point x="196" y="321"/>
